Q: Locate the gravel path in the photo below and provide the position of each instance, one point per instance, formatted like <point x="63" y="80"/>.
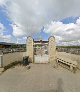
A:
<point x="40" y="78"/>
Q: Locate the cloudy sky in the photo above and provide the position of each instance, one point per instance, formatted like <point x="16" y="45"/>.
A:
<point x="40" y="18"/>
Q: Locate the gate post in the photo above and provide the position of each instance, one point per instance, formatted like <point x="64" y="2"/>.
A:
<point x="29" y="47"/>
<point x="52" y="50"/>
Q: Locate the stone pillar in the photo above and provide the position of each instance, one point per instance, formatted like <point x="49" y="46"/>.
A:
<point x="29" y="48"/>
<point x="52" y="49"/>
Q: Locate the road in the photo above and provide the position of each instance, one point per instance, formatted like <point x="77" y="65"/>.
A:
<point x="39" y="78"/>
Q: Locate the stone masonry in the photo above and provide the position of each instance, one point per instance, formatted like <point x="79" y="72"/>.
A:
<point x="52" y="49"/>
<point x="30" y="49"/>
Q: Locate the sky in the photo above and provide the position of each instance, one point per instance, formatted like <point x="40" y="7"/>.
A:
<point x="40" y="19"/>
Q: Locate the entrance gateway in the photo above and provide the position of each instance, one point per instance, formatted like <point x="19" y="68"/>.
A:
<point x="41" y="51"/>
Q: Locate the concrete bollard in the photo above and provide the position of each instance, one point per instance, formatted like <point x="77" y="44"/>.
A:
<point x="1" y="61"/>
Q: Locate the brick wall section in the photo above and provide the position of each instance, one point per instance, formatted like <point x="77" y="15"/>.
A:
<point x="30" y="49"/>
<point x="52" y="49"/>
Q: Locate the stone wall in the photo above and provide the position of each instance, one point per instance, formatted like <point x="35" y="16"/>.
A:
<point x="12" y="57"/>
<point x="69" y="50"/>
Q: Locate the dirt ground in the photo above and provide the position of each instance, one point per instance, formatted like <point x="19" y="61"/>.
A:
<point x="39" y="78"/>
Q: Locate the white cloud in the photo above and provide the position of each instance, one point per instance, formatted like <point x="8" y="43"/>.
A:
<point x="18" y="30"/>
<point x="31" y="15"/>
<point x="1" y="28"/>
<point x="65" y="33"/>
<point x="6" y="38"/>
<point x="2" y="2"/>
<point x="78" y="21"/>
<point x="3" y="37"/>
<point x="24" y="37"/>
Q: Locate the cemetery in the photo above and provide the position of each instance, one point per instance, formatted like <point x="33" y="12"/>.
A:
<point x="41" y="66"/>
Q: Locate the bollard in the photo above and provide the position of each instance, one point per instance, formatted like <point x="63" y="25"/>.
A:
<point x="1" y="61"/>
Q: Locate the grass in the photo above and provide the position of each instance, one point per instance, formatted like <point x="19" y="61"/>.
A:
<point x="11" y="65"/>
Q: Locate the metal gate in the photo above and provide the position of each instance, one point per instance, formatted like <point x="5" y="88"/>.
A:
<point x="41" y="53"/>
<point x="41" y="59"/>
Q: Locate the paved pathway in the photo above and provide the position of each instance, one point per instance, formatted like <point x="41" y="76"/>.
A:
<point x="40" y="78"/>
